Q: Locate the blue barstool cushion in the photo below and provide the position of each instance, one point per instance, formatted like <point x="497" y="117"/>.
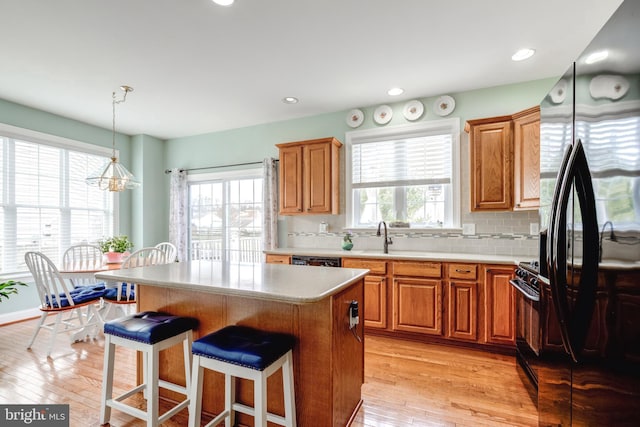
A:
<point x="149" y="327"/>
<point x="244" y="346"/>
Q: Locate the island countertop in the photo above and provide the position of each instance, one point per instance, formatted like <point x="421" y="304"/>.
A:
<point x="286" y="283"/>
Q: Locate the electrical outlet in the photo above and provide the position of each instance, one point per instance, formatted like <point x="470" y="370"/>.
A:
<point x="534" y="228"/>
<point x="468" y="229"/>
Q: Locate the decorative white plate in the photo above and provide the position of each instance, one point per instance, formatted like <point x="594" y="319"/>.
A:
<point x="355" y="118"/>
<point x="608" y="86"/>
<point x="559" y="92"/>
<point x="413" y="110"/>
<point x="444" y="105"/>
<point x="382" y="115"/>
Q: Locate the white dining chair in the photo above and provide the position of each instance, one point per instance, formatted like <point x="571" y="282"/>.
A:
<point x="169" y="249"/>
<point x="124" y="294"/>
<point x="81" y="258"/>
<point x="61" y="298"/>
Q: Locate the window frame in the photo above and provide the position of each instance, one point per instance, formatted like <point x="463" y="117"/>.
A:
<point x="58" y="142"/>
<point x="413" y="130"/>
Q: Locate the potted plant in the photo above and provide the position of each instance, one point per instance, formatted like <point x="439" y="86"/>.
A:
<point x="347" y="244"/>
<point x="115" y="248"/>
<point x="9" y="287"/>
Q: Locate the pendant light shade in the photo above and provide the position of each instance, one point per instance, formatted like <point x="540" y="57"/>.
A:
<point x="114" y="176"/>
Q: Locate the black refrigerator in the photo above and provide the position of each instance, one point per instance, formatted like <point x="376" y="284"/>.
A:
<point x="589" y="365"/>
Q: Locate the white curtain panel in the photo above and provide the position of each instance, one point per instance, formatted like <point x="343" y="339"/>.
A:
<point x="270" y="200"/>
<point x="178" y="212"/>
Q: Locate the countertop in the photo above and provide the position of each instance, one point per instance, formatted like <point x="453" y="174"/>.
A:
<point x="405" y="255"/>
<point x="285" y="283"/>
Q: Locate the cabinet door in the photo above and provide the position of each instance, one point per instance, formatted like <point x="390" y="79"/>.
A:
<point x="462" y="310"/>
<point x="490" y="146"/>
<point x="317" y="178"/>
<point x="375" y="301"/>
<point x="290" y="180"/>
<point x="526" y="173"/>
<point x="500" y="306"/>
<point x="417" y="305"/>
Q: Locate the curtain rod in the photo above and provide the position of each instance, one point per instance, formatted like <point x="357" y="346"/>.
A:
<point x="216" y="167"/>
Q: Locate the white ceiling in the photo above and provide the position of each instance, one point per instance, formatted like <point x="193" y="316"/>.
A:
<point x="197" y="67"/>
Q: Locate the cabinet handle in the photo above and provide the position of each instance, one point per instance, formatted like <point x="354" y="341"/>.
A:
<point x="299" y="210"/>
<point x="462" y="271"/>
<point x="308" y="209"/>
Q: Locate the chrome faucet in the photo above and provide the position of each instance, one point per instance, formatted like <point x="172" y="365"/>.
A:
<point x="387" y="240"/>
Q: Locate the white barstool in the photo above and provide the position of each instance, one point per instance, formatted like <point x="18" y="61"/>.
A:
<point x="242" y="352"/>
<point x="148" y="332"/>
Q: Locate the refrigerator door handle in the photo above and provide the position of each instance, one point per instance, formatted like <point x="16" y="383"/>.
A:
<point x="574" y="323"/>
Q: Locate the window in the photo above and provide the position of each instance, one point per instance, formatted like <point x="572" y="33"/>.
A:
<point x="610" y="137"/>
<point x="407" y="176"/>
<point x="225" y="216"/>
<point x="45" y="204"/>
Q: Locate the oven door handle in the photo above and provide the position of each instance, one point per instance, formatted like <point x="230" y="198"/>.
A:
<point x="524" y="291"/>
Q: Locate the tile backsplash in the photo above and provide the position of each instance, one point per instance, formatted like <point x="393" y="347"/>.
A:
<point x="496" y="233"/>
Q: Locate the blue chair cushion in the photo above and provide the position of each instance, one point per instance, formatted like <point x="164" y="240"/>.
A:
<point x="80" y="294"/>
<point x="244" y="346"/>
<point x="149" y="327"/>
<point x="112" y="293"/>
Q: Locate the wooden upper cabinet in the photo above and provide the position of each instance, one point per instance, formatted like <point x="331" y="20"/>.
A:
<point x="526" y="166"/>
<point x="309" y="177"/>
<point x="505" y="161"/>
<point x="491" y="169"/>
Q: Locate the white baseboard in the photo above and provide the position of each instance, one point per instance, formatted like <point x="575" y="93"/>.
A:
<point x="17" y="316"/>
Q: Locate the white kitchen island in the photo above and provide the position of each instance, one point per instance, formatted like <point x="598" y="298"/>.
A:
<point x="311" y="303"/>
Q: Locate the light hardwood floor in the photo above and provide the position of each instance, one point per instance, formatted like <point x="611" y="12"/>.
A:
<point x="406" y="383"/>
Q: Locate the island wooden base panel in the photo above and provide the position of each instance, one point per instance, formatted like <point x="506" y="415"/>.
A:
<point x="328" y="360"/>
<point x="407" y="383"/>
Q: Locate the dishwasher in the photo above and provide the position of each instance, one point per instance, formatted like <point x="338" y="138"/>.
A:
<point x="316" y="260"/>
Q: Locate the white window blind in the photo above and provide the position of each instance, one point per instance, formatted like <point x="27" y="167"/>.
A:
<point x="45" y="204"/>
<point x="414" y="161"/>
<point x="405" y="175"/>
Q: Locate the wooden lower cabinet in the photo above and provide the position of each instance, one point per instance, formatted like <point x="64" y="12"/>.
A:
<point x="468" y="303"/>
<point x="375" y="301"/>
<point x="499" y="305"/>
<point x="417" y="305"/>
<point x="462" y="310"/>
<point x="375" y="290"/>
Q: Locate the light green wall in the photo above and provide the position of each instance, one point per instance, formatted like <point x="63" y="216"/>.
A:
<point x="256" y="142"/>
<point x="150" y="212"/>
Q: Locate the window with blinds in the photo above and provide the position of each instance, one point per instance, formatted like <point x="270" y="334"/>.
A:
<point x="406" y="176"/>
<point x="612" y="149"/>
<point x="45" y="204"/>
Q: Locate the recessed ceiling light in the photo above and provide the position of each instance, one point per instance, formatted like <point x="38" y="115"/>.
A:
<point x="224" y="2"/>
<point x="598" y="56"/>
<point x="395" y="91"/>
<point x="523" y="54"/>
<point x="290" y="100"/>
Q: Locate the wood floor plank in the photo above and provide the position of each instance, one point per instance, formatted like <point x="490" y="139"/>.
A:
<point x="407" y="384"/>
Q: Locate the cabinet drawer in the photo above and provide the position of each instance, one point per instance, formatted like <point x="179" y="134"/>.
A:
<point x="463" y="271"/>
<point x="374" y="266"/>
<point x="278" y="259"/>
<point x="420" y="269"/>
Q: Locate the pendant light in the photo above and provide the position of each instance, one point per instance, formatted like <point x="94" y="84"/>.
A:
<point x="113" y="176"/>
